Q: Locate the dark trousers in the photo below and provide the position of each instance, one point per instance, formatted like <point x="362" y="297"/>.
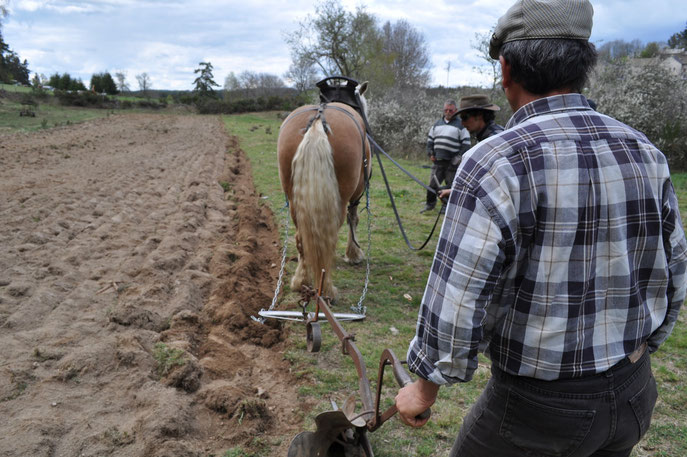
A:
<point x="442" y="172"/>
<point x="601" y="415"/>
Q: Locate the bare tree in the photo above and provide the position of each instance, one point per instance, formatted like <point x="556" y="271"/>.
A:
<point x="406" y="52"/>
<point x="231" y="82"/>
<point x="618" y="49"/>
<point x="122" y="86"/>
<point x="252" y="84"/>
<point x="270" y="83"/>
<point x="491" y="68"/>
<point x="302" y="74"/>
<point x="260" y="84"/>
<point x="144" y="83"/>
<point x="335" y="41"/>
<point x="249" y="80"/>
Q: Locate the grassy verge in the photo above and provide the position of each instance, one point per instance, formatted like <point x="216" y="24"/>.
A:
<point x="47" y="115"/>
<point x="396" y="283"/>
<point x="15" y="88"/>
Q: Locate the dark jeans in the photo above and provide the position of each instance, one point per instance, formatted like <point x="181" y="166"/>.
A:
<point x="601" y="415"/>
<point x="442" y="171"/>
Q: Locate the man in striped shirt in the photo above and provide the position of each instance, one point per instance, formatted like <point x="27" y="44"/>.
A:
<point x="562" y="256"/>
<point x="446" y="142"/>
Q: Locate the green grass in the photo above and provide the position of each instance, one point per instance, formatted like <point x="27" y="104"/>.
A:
<point x="49" y="113"/>
<point x="396" y="272"/>
<point x="13" y="88"/>
<point x="167" y="358"/>
<point x="47" y="116"/>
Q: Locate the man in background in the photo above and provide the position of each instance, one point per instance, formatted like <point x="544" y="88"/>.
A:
<point x="446" y="143"/>
<point x="478" y="116"/>
<point x="562" y="256"/>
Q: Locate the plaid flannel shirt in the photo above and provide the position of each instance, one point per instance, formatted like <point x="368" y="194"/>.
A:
<point x="561" y="252"/>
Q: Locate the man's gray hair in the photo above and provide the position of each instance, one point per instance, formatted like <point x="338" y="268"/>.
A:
<point x="544" y="65"/>
<point x="450" y="102"/>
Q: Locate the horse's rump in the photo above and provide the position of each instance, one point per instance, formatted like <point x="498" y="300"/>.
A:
<point x="346" y="134"/>
<point x="321" y="171"/>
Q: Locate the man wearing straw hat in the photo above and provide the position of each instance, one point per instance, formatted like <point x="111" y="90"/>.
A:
<point x="562" y="257"/>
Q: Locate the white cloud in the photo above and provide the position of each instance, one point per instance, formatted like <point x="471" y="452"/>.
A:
<point x="28" y="5"/>
<point x="167" y="38"/>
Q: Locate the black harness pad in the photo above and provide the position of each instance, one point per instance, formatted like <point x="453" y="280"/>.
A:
<point x="340" y="89"/>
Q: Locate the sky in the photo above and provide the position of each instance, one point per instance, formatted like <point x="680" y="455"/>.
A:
<point x="168" y="38"/>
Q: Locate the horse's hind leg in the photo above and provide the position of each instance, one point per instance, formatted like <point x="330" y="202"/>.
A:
<point x="300" y="276"/>
<point x="354" y="255"/>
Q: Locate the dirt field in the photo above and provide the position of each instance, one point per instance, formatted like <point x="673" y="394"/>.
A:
<point x="127" y="278"/>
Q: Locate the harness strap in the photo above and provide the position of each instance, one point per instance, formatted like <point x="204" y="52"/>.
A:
<point x="366" y="180"/>
<point x="377" y="150"/>
<point x="319" y="115"/>
<point x="363" y="136"/>
<point x="366" y="165"/>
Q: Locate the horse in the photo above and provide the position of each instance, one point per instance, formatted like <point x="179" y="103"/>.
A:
<point x="324" y="167"/>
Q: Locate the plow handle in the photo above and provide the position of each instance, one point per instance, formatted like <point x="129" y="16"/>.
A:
<point x="402" y="378"/>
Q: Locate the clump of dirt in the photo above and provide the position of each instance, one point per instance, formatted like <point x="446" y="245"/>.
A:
<point x="224" y="396"/>
<point x="184" y="375"/>
<point x="128" y="277"/>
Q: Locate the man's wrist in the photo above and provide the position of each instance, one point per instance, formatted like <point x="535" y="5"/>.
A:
<point x="428" y="389"/>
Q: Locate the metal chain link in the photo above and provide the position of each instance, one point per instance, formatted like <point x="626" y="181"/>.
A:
<point x="360" y="309"/>
<point x="283" y="263"/>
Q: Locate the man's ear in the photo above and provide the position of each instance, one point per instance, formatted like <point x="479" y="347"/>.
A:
<point x="505" y="73"/>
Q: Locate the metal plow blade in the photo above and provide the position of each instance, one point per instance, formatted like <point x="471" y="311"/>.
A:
<point x="342" y="432"/>
<point x="335" y="436"/>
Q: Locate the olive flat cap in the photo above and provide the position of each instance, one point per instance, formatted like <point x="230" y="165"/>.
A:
<point x="536" y="19"/>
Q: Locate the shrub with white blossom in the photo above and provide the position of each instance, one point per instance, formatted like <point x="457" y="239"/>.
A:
<point x="648" y="98"/>
<point x="400" y="119"/>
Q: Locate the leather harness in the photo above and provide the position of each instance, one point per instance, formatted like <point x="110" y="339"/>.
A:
<point x="320" y="114"/>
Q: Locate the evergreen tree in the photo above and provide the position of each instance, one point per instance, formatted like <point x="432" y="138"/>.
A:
<point x="109" y="84"/>
<point x="204" y="82"/>
<point x="65" y="82"/>
<point x="5" y="75"/>
<point x="104" y="83"/>
<point x="678" y="40"/>
<point x="11" y="66"/>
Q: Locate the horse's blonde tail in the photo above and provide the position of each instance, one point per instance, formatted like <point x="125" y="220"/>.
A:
<point x="316" y="202"/>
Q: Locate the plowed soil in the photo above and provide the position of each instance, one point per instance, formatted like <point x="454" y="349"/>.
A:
<point x="128" y="276"/>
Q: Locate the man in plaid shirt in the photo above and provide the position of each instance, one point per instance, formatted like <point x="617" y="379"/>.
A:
<point x="562" y="256"/>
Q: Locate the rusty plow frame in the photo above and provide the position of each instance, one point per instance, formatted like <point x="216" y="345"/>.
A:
<point x="342" y="432"/>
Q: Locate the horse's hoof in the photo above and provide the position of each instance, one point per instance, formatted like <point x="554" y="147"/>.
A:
<point x="296" y="285"/>
<point x="333" y="295"/>
<point x="352" y="261"/>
